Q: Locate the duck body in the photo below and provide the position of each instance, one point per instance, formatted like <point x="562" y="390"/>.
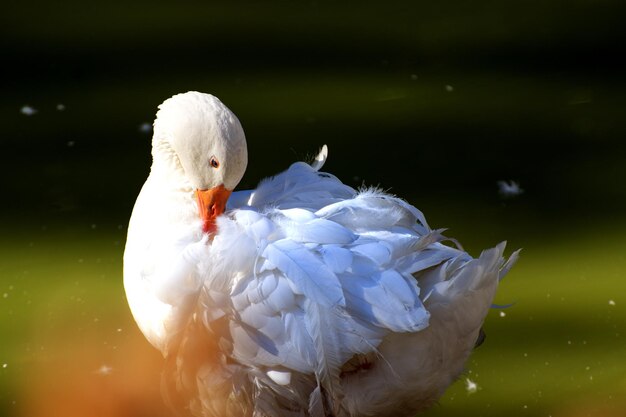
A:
<point x="306" y="298"/>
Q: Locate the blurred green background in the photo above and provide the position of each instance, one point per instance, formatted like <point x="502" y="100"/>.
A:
<point x="435" y="101"/>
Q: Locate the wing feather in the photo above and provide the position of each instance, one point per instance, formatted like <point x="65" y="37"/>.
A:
<point x="311" y="276"/>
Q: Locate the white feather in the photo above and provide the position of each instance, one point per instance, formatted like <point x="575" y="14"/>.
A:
<point x="377" y="252"/>
<point x="317" y="231"/>
<point x="337" y="258"/>
<point x="320" y="158"/>
<point x="307" y="272"/>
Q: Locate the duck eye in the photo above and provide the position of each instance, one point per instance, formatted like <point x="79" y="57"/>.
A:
<point x="214" y="162"/>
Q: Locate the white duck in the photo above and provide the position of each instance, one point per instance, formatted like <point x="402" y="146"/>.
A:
<point x="302" y="297"/>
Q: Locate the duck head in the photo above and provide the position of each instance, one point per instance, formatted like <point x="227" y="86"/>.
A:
<point x="201" y="139"/>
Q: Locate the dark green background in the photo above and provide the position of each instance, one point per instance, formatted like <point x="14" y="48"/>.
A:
<point x="435" y="101"/>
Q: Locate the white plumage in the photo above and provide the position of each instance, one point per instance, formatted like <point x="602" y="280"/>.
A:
<point x="305" y="297"/>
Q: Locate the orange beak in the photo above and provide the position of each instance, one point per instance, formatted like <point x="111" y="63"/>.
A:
<point x="211" y="204"/>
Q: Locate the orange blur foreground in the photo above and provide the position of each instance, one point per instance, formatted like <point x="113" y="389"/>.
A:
<point x="88" y="377"/>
